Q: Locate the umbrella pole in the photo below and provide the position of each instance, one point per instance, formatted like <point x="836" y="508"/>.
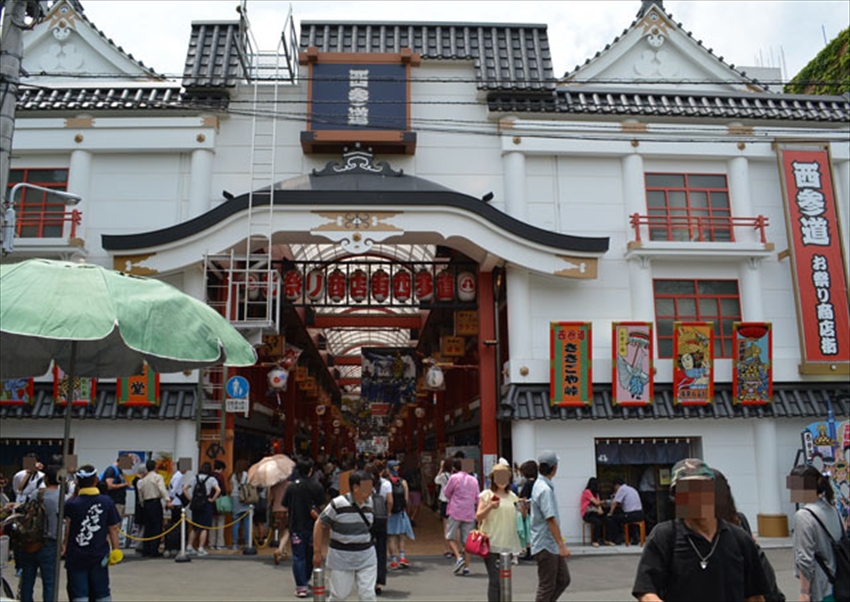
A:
<point x="63" y="483"/>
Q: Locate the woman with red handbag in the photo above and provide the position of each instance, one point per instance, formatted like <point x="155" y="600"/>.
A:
<point x="496" y="516"/>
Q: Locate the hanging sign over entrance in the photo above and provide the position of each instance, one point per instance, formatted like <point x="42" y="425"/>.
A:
<point x="571" y="378"/>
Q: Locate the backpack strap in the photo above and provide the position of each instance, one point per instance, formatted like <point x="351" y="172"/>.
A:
<point x="829" y="574"/>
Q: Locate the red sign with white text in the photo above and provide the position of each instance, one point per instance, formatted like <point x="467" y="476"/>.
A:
<point x="817" y="260"/>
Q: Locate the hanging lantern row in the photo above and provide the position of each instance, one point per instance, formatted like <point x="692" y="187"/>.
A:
<point x="403" y="286"/>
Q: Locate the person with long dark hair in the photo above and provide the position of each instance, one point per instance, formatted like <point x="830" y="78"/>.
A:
<point x="592" y="511"/>
<point x="496" y="516"/>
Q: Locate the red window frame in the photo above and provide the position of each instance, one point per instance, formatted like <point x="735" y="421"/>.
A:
<point x="672" y="221"/>
<point x="39" y="215"/>
<point x="698" y="305"/>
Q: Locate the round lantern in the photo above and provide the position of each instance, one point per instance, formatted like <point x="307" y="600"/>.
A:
<point x="358" y="286"/>
<point x="336" y="431"/>
<point x="399" y="423"/>
<point x="380" y="285"/>
<point x="320" y="410"/>
<point x="419" y="412"/>
<point x="392" y="430"/>
<point x="277" y="378"/>
<point x="424" y="285"/>
<point x="293" y="281"/>
<point x="466" y="286"/>
<point x="445" y="286"/>
<point x="315" y="285"/>
<point x="434" y="378"/>
<point x="336" y="286"/>
<point x="336" y="423"/>
<point x="270" y="285"/>
<point x="402" y="286"/>
<point x="252" y="286"/>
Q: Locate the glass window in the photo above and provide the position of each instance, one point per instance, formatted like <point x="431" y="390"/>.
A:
<point x="665" y="180"/>
<point x="687" y="198"/>
<point x="40" y="214"/>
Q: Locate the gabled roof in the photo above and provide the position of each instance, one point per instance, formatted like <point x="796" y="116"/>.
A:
<point x="656" y="49"/>
<point x="66" y="43"/>
<point x="506" y="56"/>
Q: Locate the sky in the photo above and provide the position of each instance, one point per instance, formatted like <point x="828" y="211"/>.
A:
<point x="785" y="34"/>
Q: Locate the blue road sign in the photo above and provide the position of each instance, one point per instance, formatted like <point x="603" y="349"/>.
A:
<point x="237" y="387"/>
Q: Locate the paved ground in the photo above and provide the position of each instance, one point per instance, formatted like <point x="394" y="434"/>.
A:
<point x="596" y="577"/>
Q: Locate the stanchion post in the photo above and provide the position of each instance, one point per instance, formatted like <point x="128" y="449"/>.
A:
<point x="182" y="556"/>
<point x="319" y="591"/>
<point x="249" y="549"/>
<point x="505" y="585"/>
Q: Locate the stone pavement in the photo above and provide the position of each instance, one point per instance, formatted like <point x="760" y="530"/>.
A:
<point x="596" y="577"/>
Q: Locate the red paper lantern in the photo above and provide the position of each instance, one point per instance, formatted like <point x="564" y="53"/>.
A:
<point x="293" y="282"/>
<point x="445" y="286"/>
<point x="315" y="285"/>
<point x="424" y="284"/>
<point x="466" y="286"/>
<point x="336" y="286"/>
<point x="380" y="285"/>
<point x="358" y="287"/>
<point x="402" y="285"/>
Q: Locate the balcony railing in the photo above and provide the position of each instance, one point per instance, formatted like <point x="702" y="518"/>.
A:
<point x="675" y="228"/>
<point x="48" y="224"/>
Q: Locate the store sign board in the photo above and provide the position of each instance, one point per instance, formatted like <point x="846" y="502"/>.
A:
<point x="818" y="264"/>
<point x="632" y="363"/>
<point x="141" y="390"/>
<point x="466" y="323"/>
<point x="571" y="375"/>
<point x="693" y="366"/>
<point x="752" y="364"/>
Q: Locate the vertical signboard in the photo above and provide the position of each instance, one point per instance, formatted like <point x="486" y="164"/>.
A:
<point x="571" y="375"/>
<point x="17" y="391"/>
<point x="693" y="366"/>
<point x="83" y="389"/>
<point x="752" y="364"/>
<point x="140" y="390"/>
<point x="817" y="259"/>
<point x="632" y="363"/>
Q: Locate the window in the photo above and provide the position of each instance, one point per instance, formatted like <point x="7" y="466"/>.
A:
<point x="39" y="214"/>
<point x="688" y="207"/>
<point x="696" y="301"/>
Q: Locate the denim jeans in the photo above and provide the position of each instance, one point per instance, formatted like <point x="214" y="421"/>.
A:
<point x="91" y="584"/>
<point x="43" y="560"/>
<point x="244" y="523"/>
<point x="302" y="557"/>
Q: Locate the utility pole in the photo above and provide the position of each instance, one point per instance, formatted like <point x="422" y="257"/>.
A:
<point x="11" y="54"/>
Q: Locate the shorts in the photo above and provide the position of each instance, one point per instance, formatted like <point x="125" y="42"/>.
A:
<point x="444" y="506"/>
<point x="454" y="526"/>
<point x="203" y="517"/>
<point x="280" y="520"/>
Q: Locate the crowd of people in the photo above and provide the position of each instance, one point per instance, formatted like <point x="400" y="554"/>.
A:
<point x="359" y="513"/>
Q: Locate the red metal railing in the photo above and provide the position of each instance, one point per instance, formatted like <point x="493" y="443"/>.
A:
<point x="38" y="224"/>
<point x="685" y="228"/>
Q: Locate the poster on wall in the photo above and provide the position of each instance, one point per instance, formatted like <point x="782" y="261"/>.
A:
<point x="752" y="364"/>
<point x="632" y="365"/>
<point x="693" y="365"/>
<point x="570" y="361"/>
<point x="139" y="390"/>
<point x="135" y="459"/>
<point x="17" y="392"/>
<point x="826" y="446"/>
<point x="84" y="389"/>
<point x="388" y="375"/>
<point x="818" y="265"/>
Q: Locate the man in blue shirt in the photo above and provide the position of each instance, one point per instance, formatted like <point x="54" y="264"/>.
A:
<point x="547" y="545"/>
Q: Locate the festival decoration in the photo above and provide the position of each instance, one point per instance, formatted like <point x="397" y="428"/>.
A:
<point x="632" y="364"/>
<point x="693" y="366"/>
<point x="571" y="375"/>
<point x="466" y="286"/>
<point x="17" y="391"/>
<point x="141" y="390"/>
<point x="752" y="364"/>
<point x="83" y="389"/>
<point x="402" y="286"/>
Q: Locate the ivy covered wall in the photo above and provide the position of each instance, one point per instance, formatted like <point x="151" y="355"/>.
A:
<point x="828" y="72"/>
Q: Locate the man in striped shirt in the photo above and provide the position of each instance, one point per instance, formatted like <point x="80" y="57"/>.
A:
<point x="351" y="554"/>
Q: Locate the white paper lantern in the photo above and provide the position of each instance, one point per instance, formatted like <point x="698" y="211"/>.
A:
<point x="434" y="378"/>
<point x="277" y="379"/>
<point x="420" y="412"/>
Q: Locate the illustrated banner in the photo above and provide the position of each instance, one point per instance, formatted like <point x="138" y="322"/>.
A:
<point x="571" y="375"/>
<point x="388" y="375"/>
<point x="693" y="369"/>
<point x="139" y="390"/>
<point x="826" y="446"/>
<point x="817" y="261"/>
<point x="17" y="392"/>
<point x="632" y="365"/>
<point x="752" y="365"/>
<point x="84" y="389"/>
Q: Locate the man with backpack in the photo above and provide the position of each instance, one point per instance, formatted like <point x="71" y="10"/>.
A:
<point x="303" y="500"/>
<point x="202" y="490"/>
<point x="36" y="533"/>
<point x="399" y="522"/>
<point x="113" y="484"/>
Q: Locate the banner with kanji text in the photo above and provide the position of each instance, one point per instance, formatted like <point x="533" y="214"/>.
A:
<point x="571" y="362"/>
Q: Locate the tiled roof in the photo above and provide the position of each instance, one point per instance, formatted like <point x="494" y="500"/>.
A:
<point x="114" y="98"/>
<point x="531" y="402"/>
<point x="177" y="402"/>
<point x="505" y="56"/>
<point x="216" y="57"/>
<point x="594" y="101"/>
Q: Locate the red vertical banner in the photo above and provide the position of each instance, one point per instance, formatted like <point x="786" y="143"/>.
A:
<point x="693" y="365"/>
<point x="632" y="382"/>
<point x="83" y="389"/>
<point x="140" y="390"/>
<point x="570" y="361"/>
<point x="752" y="364"/>
<point x="818" y="264"/>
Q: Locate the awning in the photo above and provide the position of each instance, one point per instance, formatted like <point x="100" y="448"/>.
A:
<point x="797" y="400"/>
<point x="639" y="451"/>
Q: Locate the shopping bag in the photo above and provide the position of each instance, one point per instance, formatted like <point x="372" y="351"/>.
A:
<point x="224" y="504"/>
<point x="478" y="544"/>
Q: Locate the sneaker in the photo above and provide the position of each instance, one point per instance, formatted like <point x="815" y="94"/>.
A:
<point x="465" y="572"/>
<point x="394" y="566"/>
<point x="449" y="555"/>
<point x="403" y="563"/>
<point x="234" y="548"/>
<point x="202" y="552"/>
<point x="458" y="565"/>
<point x="190" y="551"/>
<point x="301" y="592"/>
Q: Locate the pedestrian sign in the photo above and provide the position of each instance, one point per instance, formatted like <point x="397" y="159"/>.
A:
<point x="237" y="387"/>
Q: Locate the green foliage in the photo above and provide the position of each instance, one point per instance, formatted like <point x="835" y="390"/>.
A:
<point x="828" y="72"/>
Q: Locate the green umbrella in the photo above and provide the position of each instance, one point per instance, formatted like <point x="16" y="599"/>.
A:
<point x="96" y="322"/>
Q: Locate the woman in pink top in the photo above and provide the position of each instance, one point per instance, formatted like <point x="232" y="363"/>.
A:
<point x="591" y="510"/>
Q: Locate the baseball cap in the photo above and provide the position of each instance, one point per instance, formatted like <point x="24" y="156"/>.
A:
<point x="392" y="463"/>
<point x="548" y="457"/>
<point x="690" y="468"/>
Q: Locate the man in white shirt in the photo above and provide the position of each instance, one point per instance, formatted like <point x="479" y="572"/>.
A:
<point x="28" y="481"/>
<point x="627" y="500"/>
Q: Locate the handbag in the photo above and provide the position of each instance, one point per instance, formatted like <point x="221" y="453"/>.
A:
<point x="224" y="504"/>
<point x="248" y="494"/>
<point x="477" y="543"/>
